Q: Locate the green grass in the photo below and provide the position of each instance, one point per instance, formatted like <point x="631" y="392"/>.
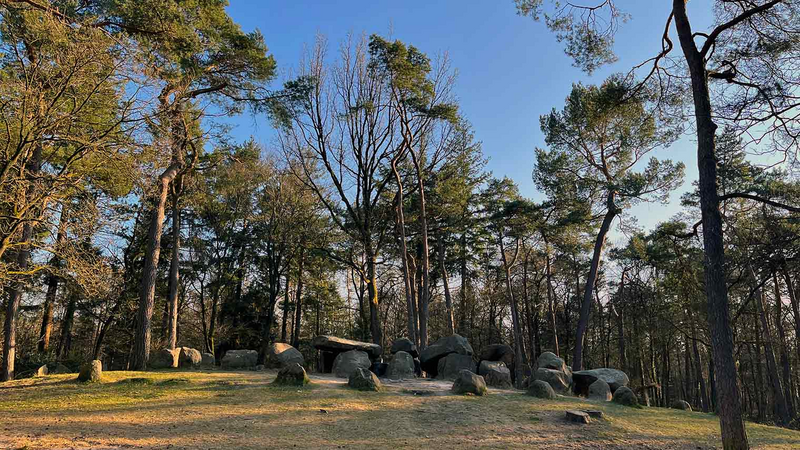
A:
<point x="233" y="410"/>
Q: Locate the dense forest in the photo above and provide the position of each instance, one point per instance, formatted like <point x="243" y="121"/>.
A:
<point x="131" y="221"/>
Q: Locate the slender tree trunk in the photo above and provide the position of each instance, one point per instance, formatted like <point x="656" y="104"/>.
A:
<point x="298" y="301"/>
<point x="65" y="340"/>
<point x="285" y="319"/>
<point x="520" y="359"/>
<point x="372" y="292"/>
<point x="780" y="408"/>
<point x="448" y="300"/>
<point x="147" y="292"/>
<point x="408" y="282"/>
<point x="412" y="274"/>
<point x="586" y="305"/>
<point x="551" y="307"/>
<point x="734" y="436"/>
<point x="52" y="284"/>
<point x="785" y="366"/>
<point x="424" y="294"/>
<point x="699" y="370"/>
<point x="174" y="276"/>
<point x="795" y="306"/>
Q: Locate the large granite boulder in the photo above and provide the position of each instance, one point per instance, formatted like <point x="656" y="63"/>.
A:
<point x="541" y="389"/>
<point x="337" y="345"/>
<point x="280" y="355"/>
<point x="348" y="362"/>
<point x="549" y="360"/>
<point x="451" y="365"/>
<point x="430" y="356"/>
<point x="600" y="391"/>
<point x="207" y="360"/>
<point x="91" y="372"/>
<point x="292" y="375"/>
<point x="401" y="367"/>
<point x="164" y="359"/>
<point x="469" y="383"/>
<point x="404" y="345"/>
<point x="582" y="379"/>
<point x="41" y="371"/>
<point x="189" y="357"/>
<point x="239" y="359"/>
<point x="364" y="380"/>
<point x="557" y="379"/>
<point x="496" y="374"/>
<point x="498" y="352"/>
<point x="682" y="405"/>
<point x="624" y="396"/>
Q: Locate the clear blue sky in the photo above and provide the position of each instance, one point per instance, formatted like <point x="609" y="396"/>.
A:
<point x="511" y="69"/>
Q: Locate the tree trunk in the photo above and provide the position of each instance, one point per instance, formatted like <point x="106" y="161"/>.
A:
<point x="785" y="366"/>
<point x="298" y="302"/>
<point x="795" y="306"/>
<point x="372" y="292"/>
<point x="734" y="436"/>
<point x="52" y="284"/>
<point x="408" y="282"/>
<point x="586" y="305"/>
<point x="285" y="319"/>
<point x="780" y="408"/>
<point x="448" y="301"/>
<point x="147" y="291"/>
<point x="699" y="370"/>
<point x="424" y="294"/>
<point x="174" y="276"/>
<point x="65" y="340"/>
<point x="520" y="359"/>
<point x="551" y="307"/>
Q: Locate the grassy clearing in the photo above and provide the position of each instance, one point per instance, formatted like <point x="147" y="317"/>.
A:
<point x="178" y="409"/>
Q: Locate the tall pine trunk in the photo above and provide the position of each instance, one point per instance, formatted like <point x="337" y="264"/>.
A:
<point x="52" y="284"/>
<point x="734" y="436"/>
<point x="588" y="289"/>
<point x="174" y="275"/>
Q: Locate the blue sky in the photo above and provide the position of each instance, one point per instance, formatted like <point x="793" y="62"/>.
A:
<point x="511" y="69"/>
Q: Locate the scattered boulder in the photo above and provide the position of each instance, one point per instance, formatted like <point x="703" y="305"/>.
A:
<point x="164" y="359"/>
<point x="364" y="380"/>
<point x="599" y="390"/>
<point x="681" y="404"/>
<point x="239" y="359"/>
<point x="280" y="355"/>
<point x="625" y="396"/>
<point x="259" y="368"/>
<point x="594" y="414"/>
<point x="469" y="383"/>
<point x="496" y="374"/>
<point x="578" y="416"/>
<point x="541" y="389"/>
<point x="404" y="345"/>
<point x="430" y="356"/>
<point x="549" y="360"/>
<point x="557" y="379"/>
<point x="207" y="360"/>
<point x="401" y="367"/>
<point x="41" y="371"/>
<point x="189" y="357"/>
<point x="292" y="375"/>
<point x="498" y="352"/>
<point x="348" y="362"/>
<point x="451" y="365"/>
<point x="61" y="368"/>
<point x="582" y="379"/>
<point x="92" y="371"/>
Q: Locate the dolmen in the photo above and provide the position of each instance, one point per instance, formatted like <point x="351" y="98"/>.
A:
<point x="447" y="357"/>
<point x="496" y="365"/>
<point x="331" y="347"/>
